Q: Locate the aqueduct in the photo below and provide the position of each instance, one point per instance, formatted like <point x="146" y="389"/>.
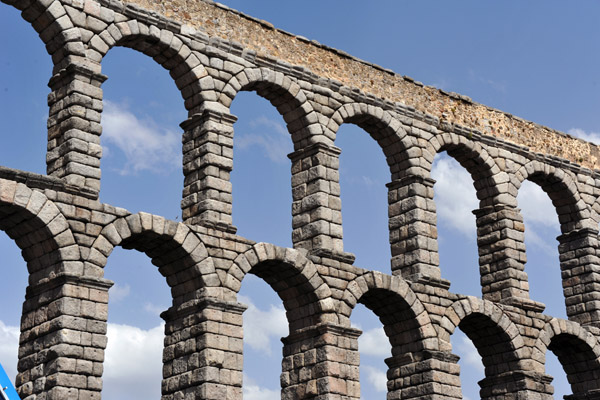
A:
<point x="67" y="235"/>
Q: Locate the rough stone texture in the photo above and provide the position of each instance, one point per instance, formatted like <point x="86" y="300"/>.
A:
<point x="212" y="53"/>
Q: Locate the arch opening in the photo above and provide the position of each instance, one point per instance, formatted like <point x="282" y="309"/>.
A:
<point x="579" y="361"/>
<point x="261" y="172"/>
<point x="12" y="286"/>
<point x="454" y="200"/>
<point x="141" y="139"/>
<point x="363" y="194"/>
<point x="23" y="104"/>
<point x="497" y="350"/>
<point x="133" y="362"/>
<point x="265" y="322"/>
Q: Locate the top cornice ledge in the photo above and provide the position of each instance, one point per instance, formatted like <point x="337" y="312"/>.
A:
<point x="217" y="20"/>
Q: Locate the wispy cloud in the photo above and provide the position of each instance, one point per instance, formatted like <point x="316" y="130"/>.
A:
<point x="154" y="309"/>
<point x="539" y="216"/>
<point x="133" y="362"/>
<point x="361" y="180"/>
<point x="9" y="346"/>
<point x="374" y="342"/>
<point x="455" y="196"/>
<point x="593" y="137"/>
<point x="263" y="327"/>
<point x="468" y="353"/>
<point x="270" y="136"/>
<point x="119" y="292"/>
<point x="376" y="377"/>
<point x="499" y="86"/>
<point x="145" y="145"/>
<point x="252" y="391"/>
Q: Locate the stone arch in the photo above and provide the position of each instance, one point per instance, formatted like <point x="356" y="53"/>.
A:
<point x="397" y="306"/>
<point x="383" y="126"/>
<point x="572" y="211"/>
<point x="55" y="27"/>
<point x="496" y="338"/>
<point x="487" y="176"/>
<point x="186" y="67"/>
<point x="39" y="229"/>
<point x="460" y="310"/>
<point x="174" y="248"/>
<point x="285" y="95"/>
<point x="560" y="186"/>
<point x="577" y="350"/>
<point x="407" y="325"/>
<point x="305" y="295"/>
<point x="578" y="242"/>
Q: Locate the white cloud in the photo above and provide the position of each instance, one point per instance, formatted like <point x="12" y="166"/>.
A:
<point x="9" y="348"/>
<point x="455" y="196"/>
<point x="539" y="216"/>
<point x="593" y="137"/>
<point x="469" y="355"/>
<point x="536" y="206"/>
<point x="154" y="309"/>
<point x="376" y="377"/>
<point x="118" y="292"/>
<point x="146" y="146"/>
<point x="374" y="342"/>
<point x="252" y="391"/>
<point x="273" y="139"/>
<point x="262" y="326"/>
<point x="133" y="362"/>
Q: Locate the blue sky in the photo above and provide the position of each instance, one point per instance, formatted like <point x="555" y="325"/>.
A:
<point x="537" y="59"/>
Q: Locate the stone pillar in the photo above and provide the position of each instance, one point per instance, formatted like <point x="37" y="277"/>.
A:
<point x="202" y="358"/>
<point x="502" y="258"/>
<point x="413" y="230"/>
<point x="63" y="337"/>
<point x="321" y="363"/>
<point x="316" y="208"/>
<point x="207" y="165"/>
<point x="424" y="375"/>
<point x="74" y="128"/>
<point x="580" y="269"/>
<point x="516" y="385"/>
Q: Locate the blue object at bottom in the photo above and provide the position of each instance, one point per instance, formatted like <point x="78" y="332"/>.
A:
<point x="5" y="382"/>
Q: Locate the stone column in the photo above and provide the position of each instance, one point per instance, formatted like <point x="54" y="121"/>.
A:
<point x="321" y="363"/>
<point x="316" y="208"/>
<point x="516" y="385"/>
<point x="207" y="165"/>
<point x="424" y="375"/>
<point x="74" y="128"/>
<point x="202" y="358"/>
<point x="502" y="258"/>
<point x="63" y="337"/>
<point x="580" y="269"/>
<point x="413" y="230"/>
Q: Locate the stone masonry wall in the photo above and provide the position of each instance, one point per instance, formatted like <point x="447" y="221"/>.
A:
<point x="212" y="53"/>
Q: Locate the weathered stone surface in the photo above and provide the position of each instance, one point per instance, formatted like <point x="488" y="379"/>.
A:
<point x="67" y="235"/>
